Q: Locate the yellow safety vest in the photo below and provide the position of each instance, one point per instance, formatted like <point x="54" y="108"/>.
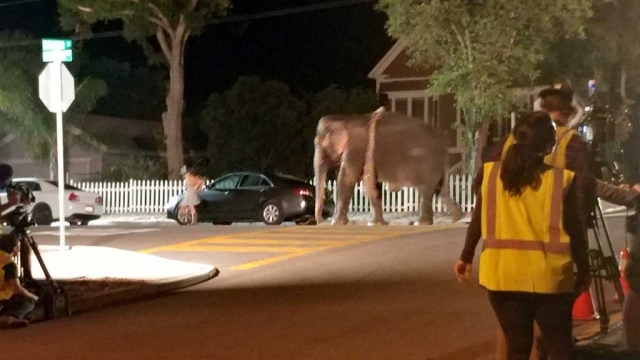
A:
<point x="525" y="246"/>
<point x="558" y="158"/>
<point x="5" y="292"/>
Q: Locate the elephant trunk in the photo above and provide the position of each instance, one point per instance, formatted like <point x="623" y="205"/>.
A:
<point x="320" y="170"/>
<point x="369" y="171"/>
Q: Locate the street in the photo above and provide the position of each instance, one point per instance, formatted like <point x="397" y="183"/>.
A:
<point x="285" y="292"/>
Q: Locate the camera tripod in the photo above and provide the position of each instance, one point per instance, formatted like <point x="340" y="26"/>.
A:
<point x="54" y="298"/>
<point x="603" y="267"/>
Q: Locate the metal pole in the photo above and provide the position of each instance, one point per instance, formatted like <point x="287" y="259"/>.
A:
<point x="60" y="145"/>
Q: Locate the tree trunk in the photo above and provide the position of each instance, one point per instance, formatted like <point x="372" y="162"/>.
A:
<point x="172" y="118"/>
<point x="482" y="140"/>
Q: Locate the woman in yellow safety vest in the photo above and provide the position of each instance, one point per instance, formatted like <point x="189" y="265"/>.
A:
<point x="532" y="237"/>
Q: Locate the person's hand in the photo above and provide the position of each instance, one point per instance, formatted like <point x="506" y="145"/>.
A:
<point x="636" y="187"/>
<point x="583" y="282"/>
<point x="462" y="270"/>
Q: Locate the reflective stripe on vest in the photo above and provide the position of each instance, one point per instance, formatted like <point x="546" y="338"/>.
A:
<point x="558" y="158"/>
<point x="525" y="247"/>
<point x="5" y="259"/>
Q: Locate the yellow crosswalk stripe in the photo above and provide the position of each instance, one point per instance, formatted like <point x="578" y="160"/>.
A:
<point x="292" y="241"/>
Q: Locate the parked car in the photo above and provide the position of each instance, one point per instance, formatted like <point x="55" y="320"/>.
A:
<point x="252" y="197"/>
<point x="80" y="206"/>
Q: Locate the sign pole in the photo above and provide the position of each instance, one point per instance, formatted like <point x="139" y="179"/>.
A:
<point x="60" y="145"/>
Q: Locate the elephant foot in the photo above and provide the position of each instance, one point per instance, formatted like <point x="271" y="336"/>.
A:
<point x="378" y="222"/>
<point x="340" y="220"/>
<point x="456" y="215"/>
<point x="423" y="222"/>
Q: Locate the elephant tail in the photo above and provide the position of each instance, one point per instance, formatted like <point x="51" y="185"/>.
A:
<point x="369" y="171"/>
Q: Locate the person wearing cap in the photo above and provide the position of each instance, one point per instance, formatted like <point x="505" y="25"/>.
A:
<point x="6" y="174"/>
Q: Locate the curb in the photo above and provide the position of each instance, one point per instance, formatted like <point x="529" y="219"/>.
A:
<point x="121" y="296"/>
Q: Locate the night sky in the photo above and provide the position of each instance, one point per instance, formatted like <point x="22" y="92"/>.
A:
<point x="307" y="51"/>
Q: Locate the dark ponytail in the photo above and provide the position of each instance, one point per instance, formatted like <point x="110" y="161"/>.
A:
<point x="524" y="162"/>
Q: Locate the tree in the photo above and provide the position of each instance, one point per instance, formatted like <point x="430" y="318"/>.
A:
<point x="333" y="100"/>
<point x="482" y="48"/>
<point x="256" y="126"/>
<point x="135" y="93"/>
<point x="21" y="110"/>
<point x="172" y="22"/>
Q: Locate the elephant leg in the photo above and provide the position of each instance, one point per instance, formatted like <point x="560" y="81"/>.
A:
<point x="346" y="183"/>
<point x="376" y="206"/>
<point x="426" y="209"/>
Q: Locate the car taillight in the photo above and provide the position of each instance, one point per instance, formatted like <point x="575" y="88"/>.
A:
<point x="74" y="197"/>
<point x="99" y="200"/>
<point x="303" y="192"/>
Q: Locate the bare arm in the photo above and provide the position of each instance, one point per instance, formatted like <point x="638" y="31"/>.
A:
<point x="17" y="288"/>
<point x="474" y="231"/>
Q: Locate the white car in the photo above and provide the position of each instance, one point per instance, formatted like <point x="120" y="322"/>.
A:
<point x="80" y="206"/>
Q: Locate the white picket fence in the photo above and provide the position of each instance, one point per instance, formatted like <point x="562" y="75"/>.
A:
<point x="151" y="196"/>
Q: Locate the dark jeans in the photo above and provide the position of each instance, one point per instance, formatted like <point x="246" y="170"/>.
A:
<point x="516" y="312"/>
<point x="17" y="306"/>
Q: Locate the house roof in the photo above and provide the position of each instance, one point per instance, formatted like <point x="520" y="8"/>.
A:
<point x="387" y="59"/>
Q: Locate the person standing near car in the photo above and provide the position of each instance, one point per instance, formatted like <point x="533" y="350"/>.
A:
<point x="193" y="184"/>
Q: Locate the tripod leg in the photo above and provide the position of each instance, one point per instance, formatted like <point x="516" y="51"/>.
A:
<point x="25" y="259"/>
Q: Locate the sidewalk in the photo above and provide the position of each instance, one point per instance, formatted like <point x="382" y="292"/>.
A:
<point x="112" y="275"/>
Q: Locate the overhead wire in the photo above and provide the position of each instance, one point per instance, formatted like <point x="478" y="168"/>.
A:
<point x="216" y="21"/>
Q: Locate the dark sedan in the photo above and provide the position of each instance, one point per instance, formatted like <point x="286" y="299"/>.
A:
<point x="251" y="197"/>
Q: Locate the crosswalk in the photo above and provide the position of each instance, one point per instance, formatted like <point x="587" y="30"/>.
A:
<point x="283" y="243"/>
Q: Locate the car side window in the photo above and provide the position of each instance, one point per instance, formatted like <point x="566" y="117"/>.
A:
<point x="226" y="183"/>
<point x="253" y="181"/>
<point x="34" y="186"/>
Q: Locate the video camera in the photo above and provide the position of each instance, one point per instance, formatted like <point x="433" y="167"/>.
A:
<point x="19" y="216"/>
<point x="598" y="128"/>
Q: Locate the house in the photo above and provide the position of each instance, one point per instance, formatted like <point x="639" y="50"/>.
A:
<point x="92" y="144"/>
<point x="405" y="89"/>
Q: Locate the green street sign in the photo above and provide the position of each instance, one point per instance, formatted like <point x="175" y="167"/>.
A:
<point x="57" y="50"/>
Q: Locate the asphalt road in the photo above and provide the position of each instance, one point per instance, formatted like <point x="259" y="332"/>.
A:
<point x="285" y="292"/>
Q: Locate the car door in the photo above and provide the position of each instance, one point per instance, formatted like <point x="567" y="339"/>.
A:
<point x="217" y="199"/>
<point x="250" y="195"/>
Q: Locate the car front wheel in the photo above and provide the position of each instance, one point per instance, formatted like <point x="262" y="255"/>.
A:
<point x="272" y="214"/>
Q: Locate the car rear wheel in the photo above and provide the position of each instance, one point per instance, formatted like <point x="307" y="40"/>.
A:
<point x="183" y="215"/>
<point x="272" y="214"/>
<point x="42" y="215"/>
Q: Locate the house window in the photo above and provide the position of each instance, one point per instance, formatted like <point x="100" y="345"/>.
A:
<point x="402" y="106"/>
<point x="417" y="108"/>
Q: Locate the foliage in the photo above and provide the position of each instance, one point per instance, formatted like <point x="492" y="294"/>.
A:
<point x="333" y="100"/>
<point x="137" y="167"/>
<point x="21" y="110"/>
<point x="255" y="125"/>
<point x="136" y="93"/>
<point x="482" y="48"/>
<point x="172" y="22"/>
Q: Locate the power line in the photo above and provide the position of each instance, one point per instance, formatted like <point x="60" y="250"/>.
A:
<point x="18" y="2"/>
<point x="217" y="21"/>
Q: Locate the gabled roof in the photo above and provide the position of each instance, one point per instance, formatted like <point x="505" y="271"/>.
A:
<point x="387" y="59"/>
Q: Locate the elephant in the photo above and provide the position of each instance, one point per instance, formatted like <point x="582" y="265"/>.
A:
<point x="381" y="146"/>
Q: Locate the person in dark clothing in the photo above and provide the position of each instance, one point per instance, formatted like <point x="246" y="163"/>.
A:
<point x="532" y="236"/>
<point x="15" y="301"/>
